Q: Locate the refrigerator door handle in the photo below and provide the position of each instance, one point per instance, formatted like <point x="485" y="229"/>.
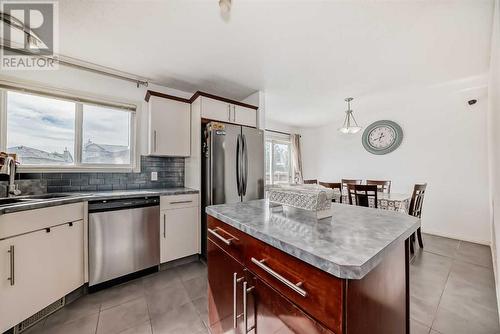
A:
<point x="245" y="165"/>
<point x="238" y="164"/>
<point x="211" y="162"/>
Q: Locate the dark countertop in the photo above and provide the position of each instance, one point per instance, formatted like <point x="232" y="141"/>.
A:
<point x="347" y="245"/>
<point x="90" y="196"/>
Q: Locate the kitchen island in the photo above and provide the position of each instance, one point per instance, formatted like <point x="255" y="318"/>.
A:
<point x="285" y="272"/>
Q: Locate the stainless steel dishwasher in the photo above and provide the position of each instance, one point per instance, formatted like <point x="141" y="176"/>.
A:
<point x="124" y="237"/>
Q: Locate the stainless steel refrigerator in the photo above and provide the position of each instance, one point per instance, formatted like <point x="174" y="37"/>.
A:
<point x="233" y="168"/>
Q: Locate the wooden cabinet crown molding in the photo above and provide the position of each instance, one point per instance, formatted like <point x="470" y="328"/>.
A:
<point x="220" y="98"/>
<point x="150" y="93"/>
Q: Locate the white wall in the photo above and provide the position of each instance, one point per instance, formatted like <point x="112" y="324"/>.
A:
<point x="87" y="83"/>
<point x="445" y="145"/>
<point x="494" y="143"/>
<point x="278" y="126"/>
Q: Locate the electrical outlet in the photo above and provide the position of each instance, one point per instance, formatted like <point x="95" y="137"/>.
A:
<point x="154" y="176"/>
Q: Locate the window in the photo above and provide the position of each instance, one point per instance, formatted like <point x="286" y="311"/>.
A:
<point x="40" y="130"/>
<point x="106" y="136"/>
<point x="278" y="159"/>
<point x="52" y="132"/>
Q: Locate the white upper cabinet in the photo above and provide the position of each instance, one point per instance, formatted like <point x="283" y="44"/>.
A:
<point x="227" y="112"/>
<point x="244" y="116"/>
<point x="169" y="127"/>
<point x="216" y="110"/>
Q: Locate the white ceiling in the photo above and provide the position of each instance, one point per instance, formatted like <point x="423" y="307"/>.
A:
<point x="306" y="55"/>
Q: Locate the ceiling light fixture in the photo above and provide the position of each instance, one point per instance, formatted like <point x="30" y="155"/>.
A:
<point x="350" y="124"/>
<point x="225" y="6"/>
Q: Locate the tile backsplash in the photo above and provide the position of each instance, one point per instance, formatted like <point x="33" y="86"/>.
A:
<point x="170" y="174"/>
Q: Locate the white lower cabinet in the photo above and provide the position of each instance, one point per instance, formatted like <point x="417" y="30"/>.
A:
<point x="180" y="228"/>
<point x="38" y="268"/>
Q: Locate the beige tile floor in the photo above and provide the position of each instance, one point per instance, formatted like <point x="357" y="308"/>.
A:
<point x="172" y="301"/>
<point x="453" y="289"/>
<point x="452" y="292"/>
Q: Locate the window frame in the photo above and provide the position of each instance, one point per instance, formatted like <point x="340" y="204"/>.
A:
<point x="273" y="138"/>
<point x="79" y="100"/>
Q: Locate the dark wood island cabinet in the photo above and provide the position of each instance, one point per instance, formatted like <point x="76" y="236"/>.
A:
<point x="258" y="288"/>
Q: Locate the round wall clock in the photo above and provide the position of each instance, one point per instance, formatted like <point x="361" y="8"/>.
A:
<point x="382" y="137"/>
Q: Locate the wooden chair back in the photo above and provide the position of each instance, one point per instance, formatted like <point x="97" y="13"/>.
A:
<point x="384" y="186"/>
<point x="362" y="195"/>
<point x="333" y="186"/>
<point x="417" y="200"/>
<point x="345" y="182"/>
<point x="310" y="181"/>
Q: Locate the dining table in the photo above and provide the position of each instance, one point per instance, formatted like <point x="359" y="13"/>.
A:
<point x="386" y="201"/>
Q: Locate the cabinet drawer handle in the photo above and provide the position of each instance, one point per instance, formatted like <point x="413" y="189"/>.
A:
<point x="246" y="291"/>
<point x="236" y="280"/>
<point x="218" y="236"/>
<point x="294" y="287"/>
<point x="12" y="272"/>
<point x="181" y="202"/>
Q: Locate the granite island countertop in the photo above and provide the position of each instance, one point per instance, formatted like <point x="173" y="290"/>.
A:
<point x="90" y="196"/>
<point x="348" y="245"/>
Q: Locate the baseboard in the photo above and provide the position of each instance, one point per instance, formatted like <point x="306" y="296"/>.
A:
<point x="495" y="269"/>
<point x="458" y="237"/>
<point x="495" y="273"/>
<point x="179" y="262"/>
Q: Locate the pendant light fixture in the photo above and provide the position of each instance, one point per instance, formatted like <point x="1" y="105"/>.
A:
<point x="225" y="6"/>
<point x="350" y="124"/>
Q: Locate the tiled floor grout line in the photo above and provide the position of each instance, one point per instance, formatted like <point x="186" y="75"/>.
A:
<point x="147" y="305"/>
<point x="98" y="318"/>
<point x="445" y="285"/>
<point x="191" y="300"/>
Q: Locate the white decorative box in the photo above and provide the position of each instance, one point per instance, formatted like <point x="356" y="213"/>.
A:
<point x="310" y="197"/>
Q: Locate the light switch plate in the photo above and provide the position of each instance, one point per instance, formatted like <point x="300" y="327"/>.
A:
<point x="154" y="176"/>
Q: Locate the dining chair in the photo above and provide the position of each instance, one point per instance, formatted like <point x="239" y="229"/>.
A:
<point x="333" y="186"/>
<point x="345" y="192"/>
<point x="384" y="186"/>
<point x="417" y="200"/>
<point x="310" y="181"/>
<point x="345" y="182"/>
<point x="362" y="195"/>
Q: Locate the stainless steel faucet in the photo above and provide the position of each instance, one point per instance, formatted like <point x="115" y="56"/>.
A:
<point x="9" y="167"/>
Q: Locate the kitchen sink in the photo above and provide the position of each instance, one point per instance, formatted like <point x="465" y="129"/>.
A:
<point x="30" y="198"/>
<point x="49" y="196"/>
<point x="6" y="201"/>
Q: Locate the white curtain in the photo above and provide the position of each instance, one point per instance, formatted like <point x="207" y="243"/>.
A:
<point x="296" y="159"/>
